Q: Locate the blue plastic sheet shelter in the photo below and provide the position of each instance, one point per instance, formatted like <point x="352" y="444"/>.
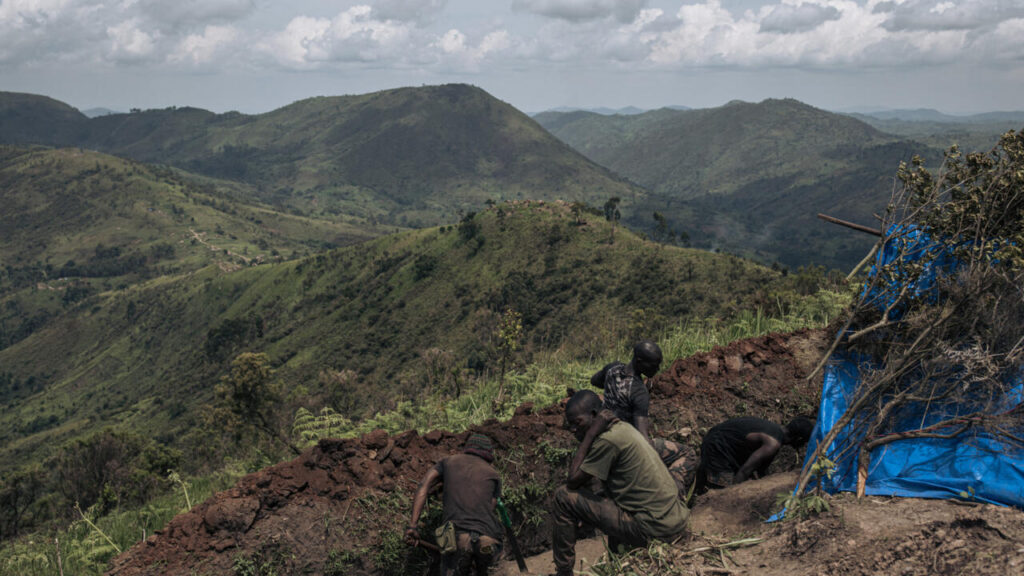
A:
<point x="974" y="464"/>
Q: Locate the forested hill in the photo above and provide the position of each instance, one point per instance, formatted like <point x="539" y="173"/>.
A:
<point x="34" y="119"/>
<point x="354" y="328"/>
<point x="413" y="156"/>
<point x="750" y="178"/>
<point x="690" y="153"/>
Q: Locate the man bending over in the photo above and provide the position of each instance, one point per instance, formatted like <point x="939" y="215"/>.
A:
<point x="741" y="448"/>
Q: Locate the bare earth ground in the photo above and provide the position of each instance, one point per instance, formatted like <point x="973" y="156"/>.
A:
<point x="906" y="536"/>
<point x="339" y="508"/>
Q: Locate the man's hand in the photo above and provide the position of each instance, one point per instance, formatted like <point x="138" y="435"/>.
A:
<point x="412" y="535"/>
<point x="602" y="421"/>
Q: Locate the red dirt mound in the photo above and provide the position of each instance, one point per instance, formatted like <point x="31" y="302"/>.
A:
<point x="341" y="506"/>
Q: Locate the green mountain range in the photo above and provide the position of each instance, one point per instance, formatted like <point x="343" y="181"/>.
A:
<point x="410" y="156"/>
<point x="750" y="178"/>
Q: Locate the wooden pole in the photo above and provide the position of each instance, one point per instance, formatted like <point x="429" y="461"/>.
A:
<point x="857" y="227"/>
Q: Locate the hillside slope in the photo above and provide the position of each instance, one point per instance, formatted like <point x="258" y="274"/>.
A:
<point x="35" y="119"/>
<point x="413" y="156"/>
<point x="148" y="356"/>
<point x="340" y="508"/>
<point x="750" y="178"/>
<point x="78" y="222"/>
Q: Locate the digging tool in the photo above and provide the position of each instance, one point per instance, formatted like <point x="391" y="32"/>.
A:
<point x="512" y="542"/>
<point x="427" y="546"/>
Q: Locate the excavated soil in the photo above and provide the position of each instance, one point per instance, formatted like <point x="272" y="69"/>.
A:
<point x="340" y="508"/>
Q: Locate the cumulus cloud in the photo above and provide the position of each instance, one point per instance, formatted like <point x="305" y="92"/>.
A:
<point x="129" y="42"/>
<point x="116" y="31"/>
<point x="786" y="18"/>
<point x="207" y="47"/>
<point x="458" y="52"/>
<point x="352" y="36"/>
<point x="207" y="34"/>
<point x="582" y="10"/>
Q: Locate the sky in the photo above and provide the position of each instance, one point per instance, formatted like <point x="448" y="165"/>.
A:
<point x="957" y="56"/>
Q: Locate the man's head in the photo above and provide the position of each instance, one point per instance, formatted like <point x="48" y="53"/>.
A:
<point x="580" y="411"/>
<point x="646" y="358"/>
<point x="798" y="431"/>
<point x="479" y="445"/>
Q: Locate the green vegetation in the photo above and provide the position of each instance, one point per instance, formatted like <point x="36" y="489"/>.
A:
<point x="977" y="132"/>
<point x="80" y="549"/>
<point x="80" y="223"/>
<point x="156" y="323"/>
<point x="540" y="375"/>
<point x="406" y="157"/>
<point x="150" y="355"/>
<point x="748" y="178"/>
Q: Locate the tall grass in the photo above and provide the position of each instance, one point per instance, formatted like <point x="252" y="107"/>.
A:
<point x="545" y="381"/>
<point x="81" y="549"/>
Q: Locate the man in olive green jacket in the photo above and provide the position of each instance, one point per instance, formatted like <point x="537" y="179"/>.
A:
<point x="640" y="499"/>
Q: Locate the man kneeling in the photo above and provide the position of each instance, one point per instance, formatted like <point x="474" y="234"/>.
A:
<point x="640" y="501"/>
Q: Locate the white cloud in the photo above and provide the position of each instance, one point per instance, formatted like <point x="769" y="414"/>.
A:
<point x="582" y="10"/>
<point x="128" y="42"/>
<point x="352" y="36"/>
<point x="206" y="48"/>
<point x="457" y="52"/>
<point x="114" y="31"/>
<point x="580" y="34"/>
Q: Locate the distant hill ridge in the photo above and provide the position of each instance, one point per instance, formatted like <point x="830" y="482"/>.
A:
<point x="932" y="115"/>
<point x="411" y="156"/>
<point x="749" y="178"/>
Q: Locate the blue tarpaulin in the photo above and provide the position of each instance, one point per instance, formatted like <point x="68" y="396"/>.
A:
<point x="974" y="464"/>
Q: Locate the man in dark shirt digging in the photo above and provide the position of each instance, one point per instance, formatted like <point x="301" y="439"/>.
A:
<point x="639" y="501"/>
<point x="737" y="449"/>
<point x="628" y="397"/>
<point x="470" y="494"/>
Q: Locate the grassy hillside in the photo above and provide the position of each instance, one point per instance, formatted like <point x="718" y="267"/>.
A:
<point x="410" y="156"/>
<point x="76" y="223"/>
<point x="750" y="178"/>
<point x="147" y="356"/>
